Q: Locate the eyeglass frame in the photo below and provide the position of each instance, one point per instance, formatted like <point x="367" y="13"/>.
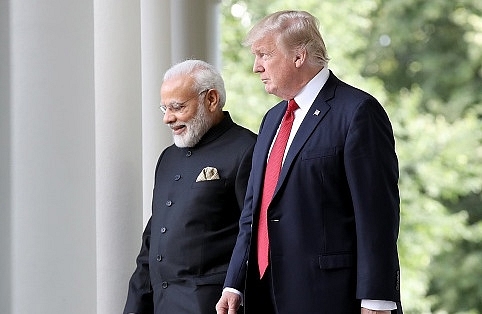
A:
<point x="178" y="107"/>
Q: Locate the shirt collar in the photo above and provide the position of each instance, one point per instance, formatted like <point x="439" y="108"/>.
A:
<point x="308" y="93"/>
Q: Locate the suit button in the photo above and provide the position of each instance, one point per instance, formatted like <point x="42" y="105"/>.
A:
<point x="177" y="177"/>
<point x="159" y="258"/>
<point x="188" y="153"/>
<point x="168" y="203"/>
<point x="164" y="284"/>
<point x="163" y="230"/>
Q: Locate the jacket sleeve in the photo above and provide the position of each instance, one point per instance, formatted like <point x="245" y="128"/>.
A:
<point x="236" y="274"/>
<point x="372" y="172"/>
<point x="139" y="296"/>
<point x="242" y="176"/>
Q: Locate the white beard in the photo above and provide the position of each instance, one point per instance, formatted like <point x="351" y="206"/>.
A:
<point x="195" y="128"/>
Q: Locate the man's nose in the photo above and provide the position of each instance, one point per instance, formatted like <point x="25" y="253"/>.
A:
<point x="257" y="66"/>
<point x="168" y="117"/>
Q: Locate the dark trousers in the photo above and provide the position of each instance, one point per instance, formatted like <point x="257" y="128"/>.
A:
<point x="261" y="299"/>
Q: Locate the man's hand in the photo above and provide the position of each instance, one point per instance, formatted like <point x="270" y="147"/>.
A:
<point x="228" y="303"/>
<point x="367" y="311"/>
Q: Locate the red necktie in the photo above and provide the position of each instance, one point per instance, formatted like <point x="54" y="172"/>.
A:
<point x="271" y="175"/>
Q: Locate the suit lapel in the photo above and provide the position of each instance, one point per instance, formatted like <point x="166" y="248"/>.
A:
<point x="264" y="140"/>
<point x="269" y="129"/>
<point x="317" y="112"/>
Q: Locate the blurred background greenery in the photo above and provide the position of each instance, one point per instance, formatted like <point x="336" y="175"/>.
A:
<point x="423" y="61"/>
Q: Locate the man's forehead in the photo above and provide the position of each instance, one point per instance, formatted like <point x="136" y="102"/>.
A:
<point x="177" y="85"/>
<point x="263" y="44"/>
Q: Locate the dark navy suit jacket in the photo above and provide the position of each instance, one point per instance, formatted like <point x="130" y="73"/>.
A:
<point x="334" y="219"/>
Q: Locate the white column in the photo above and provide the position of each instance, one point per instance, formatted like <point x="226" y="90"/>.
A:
<point x="52" y="157"/>
<point x="80" y="133"/>
<point x="5" y="158"/>
<point x="118" y="118"/>
<point x="195" y="30"/>
<point x="156" y="59"/>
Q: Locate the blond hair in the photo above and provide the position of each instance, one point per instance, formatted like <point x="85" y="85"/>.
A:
<point x="293" y="30"/>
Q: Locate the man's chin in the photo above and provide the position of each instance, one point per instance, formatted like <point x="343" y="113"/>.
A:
<point x="269" y="89"/>
<point x="182" y="141"/>
<point x="179" y="141"/>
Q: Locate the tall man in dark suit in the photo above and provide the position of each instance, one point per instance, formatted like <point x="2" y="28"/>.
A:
<point x="332" y="218"/>
<point x="200" y="185"/>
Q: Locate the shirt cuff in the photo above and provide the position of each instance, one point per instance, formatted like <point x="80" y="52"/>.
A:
<point x="235" y="291"/>
<point x="379" y="305"/>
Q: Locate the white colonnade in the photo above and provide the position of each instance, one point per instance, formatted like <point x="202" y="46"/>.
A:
<point x="80" y="132"/>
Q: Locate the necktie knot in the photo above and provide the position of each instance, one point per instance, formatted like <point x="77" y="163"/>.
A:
<point x="292" y="106"/>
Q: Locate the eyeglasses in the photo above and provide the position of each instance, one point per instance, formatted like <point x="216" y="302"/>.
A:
<point x="178" y="107"/>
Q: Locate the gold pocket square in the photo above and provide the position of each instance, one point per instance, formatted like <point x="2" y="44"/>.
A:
<point x="207" y="174"/>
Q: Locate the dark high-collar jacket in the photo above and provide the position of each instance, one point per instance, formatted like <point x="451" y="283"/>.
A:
<point x="189" y="239"/>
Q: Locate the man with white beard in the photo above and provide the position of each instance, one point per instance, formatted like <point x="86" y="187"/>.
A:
<point x="199" y="189"/>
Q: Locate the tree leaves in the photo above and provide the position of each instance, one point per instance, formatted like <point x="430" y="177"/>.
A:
<point x="423" y="61"/>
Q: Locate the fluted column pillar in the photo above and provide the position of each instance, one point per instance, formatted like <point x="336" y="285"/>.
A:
<point x="80" y="133"/>
<point x="195" y="30"/>
<point x="51" y="183"/>
<point x="118" y="146"/>
<point x="5" y="160"/>
<point x="156" y="59"/>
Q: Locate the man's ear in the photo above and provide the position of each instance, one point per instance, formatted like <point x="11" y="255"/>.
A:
<point x="300" y="57"/>
<point x="212" y="97"/>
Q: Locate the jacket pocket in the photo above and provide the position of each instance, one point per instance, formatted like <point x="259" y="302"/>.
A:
<point x="211" y="279"/>
<point x="209" y="184"/>
<point x="336" y="261"/>
<point x="323" y="152"/>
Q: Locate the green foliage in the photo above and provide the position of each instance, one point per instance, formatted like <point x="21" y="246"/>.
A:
<point x="438" y="167"/>
<point x="462" y="273"/>
<point x="423" y="61"/>
<point x="246" y="99"/>
<point x="434" y="45"/>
